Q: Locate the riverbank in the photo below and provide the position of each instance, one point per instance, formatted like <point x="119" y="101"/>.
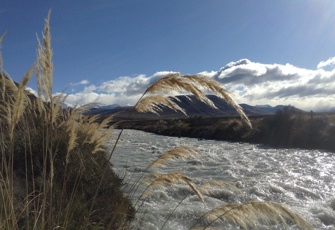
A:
<point x="285" y="129"/>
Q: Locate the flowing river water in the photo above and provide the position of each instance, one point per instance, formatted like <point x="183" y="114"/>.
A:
<point x="304" y="180"/>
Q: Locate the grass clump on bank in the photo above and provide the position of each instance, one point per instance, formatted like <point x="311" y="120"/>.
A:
<point x="54" y="169"/>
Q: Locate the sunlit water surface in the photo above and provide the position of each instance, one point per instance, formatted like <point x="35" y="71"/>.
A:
<point x="304" y="180"/>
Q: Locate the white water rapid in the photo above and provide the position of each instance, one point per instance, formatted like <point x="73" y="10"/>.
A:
<point x="304" y="180"/>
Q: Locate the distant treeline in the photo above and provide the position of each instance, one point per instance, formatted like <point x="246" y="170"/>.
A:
<point x="288" y="128"/>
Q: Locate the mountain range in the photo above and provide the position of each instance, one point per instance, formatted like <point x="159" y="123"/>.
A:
<point x="192" y="106"/>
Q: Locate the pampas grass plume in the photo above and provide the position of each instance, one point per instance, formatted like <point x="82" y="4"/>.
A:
<point x="250" y="214"/>
<point x="180" y="152"/>
<point x="197" y="85"/>
<point x="158" y="179"/>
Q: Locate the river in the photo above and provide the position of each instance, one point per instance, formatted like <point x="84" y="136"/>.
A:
<point x="304" y="180"/>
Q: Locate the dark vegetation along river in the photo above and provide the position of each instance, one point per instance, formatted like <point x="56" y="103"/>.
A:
<point x="287" y="128"/>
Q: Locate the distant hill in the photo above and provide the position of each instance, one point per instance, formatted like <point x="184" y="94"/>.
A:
<point x="96" y="109"/>
<point x="193" y="107"/>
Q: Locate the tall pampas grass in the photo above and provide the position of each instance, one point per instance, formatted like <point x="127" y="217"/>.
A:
<point x="21" y="101"/>
<point x="44" y="64"/>
<point x="53" y="159"/>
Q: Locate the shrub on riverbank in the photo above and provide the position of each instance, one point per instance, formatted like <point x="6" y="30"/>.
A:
<point x="291" y="129"/>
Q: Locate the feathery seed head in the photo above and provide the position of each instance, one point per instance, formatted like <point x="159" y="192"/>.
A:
<point x="158" y="179"/>
<point x="250" y="214"/>
<point x="154" y="104"/>
<point x="210" y="186"/>
<point x="197" y="85"/>
<point x="181" y="152"/>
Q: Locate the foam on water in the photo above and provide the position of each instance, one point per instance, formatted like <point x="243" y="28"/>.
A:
<point x="302" y="179"/>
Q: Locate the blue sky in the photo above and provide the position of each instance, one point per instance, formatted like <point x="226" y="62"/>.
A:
<point x="103" y="49"/>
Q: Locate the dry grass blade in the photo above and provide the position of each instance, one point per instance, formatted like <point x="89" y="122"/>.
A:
<point x="8" y="89"/>
<point x="44" y="65"/>
<point x="20" y="100"/>
<point x="197" y="85"/>
<point x="95" y="132"/>
<point x="158" y="179"/>
<point x="154" y="103"/>
<point x="181" y="84"/>
<point x="1" y="62"/>
<point x="209" y="187"/>
<point x="169" y="83"/>
<point x="250" y="214"/>
<point x="2" y="74"/>
<point x="1" y="37"/>
<point x="181" y="152"/>
<point x="72" y="130"/>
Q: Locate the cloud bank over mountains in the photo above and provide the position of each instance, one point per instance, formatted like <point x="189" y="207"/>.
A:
<point x="250" y="82"/>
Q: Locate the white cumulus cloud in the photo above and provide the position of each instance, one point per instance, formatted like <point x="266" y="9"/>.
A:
<point x="257" y="83"/>
<point x="82" y="82"/>
<point x="250" y="82"/>
<point x="329" y="62"/>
